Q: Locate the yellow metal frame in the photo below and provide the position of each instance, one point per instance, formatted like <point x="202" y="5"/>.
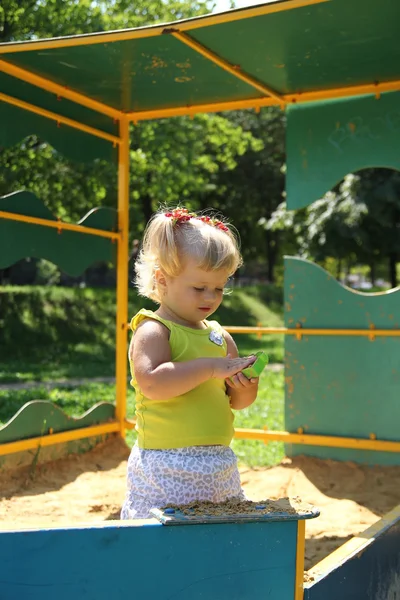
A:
<point x="300" y="331"/>
<point x="368" y="89"/>
<point x="180" y="31"/>
<point x="121" y="368"/>
<point x="236" y="71"/>
<point x="58" y="438"/>
<point x="146" y="32"/>
<point x="59" y="118"/>
<point x="60" y="225"/>
<point x="60" y="90"/>
<point x="355" y="545"/>
<point x="300" y="554"/>
<point x="270" y="435"/>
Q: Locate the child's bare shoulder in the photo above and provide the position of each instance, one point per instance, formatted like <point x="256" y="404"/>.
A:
<point x="151" y="327"/>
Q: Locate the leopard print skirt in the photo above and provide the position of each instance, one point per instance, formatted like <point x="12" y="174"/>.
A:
<point x="179" y="476"/>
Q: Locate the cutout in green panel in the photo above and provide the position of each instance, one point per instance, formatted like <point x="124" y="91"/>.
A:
<point x="327" y="140"/>
<point x="72" y="251"/>
<point x="17" y="124"/>
<point x="36" y="418"/>
<point x="340" y="385"/>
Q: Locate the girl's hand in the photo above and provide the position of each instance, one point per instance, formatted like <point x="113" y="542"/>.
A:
<point x="240" y="382"/>
<point x="227" y="367"/>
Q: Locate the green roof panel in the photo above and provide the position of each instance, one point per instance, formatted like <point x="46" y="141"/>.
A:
<point x="288" y="46"/>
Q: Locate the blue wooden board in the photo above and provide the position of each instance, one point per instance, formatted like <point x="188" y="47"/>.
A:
<point x="371" y="574"/>
<point x="327" y="140"/>
<point x="340" y="385"/>
<point x="247" y="561"/>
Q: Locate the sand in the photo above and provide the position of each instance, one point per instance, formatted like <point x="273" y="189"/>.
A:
<point x="90" y="487"/>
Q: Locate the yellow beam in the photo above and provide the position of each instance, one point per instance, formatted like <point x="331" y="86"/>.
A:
<point x="355" y="545"/>
<point x="60" y="225"/>
<point x="268" y="435"/>
<point x="147" y="32"/>
<point x="59" y="118"/>
<point x="344" y="92"/>
<point x="122" y="275"/>
<point x="257" y="103"/>
<point x="226" y="66"/>
<point x="316" y="440"/>
<point x="181" y="111"/>
<point x="300" y="331"/>
<point x="300" y="553"/>
<point x="58" y="438"/>
<point x="60" y="90"/>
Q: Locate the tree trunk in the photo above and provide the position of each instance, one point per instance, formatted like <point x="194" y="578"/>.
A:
<point x="372" y="272"/>
<point x="339" y="269"/>
<point x="271" y="250"/>
<point x="146" y="207"/>
<point x="392" y="269"/>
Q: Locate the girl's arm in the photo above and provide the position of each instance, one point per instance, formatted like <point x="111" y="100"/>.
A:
<point x="242" y="391"/>
<point x="159" y="378"/>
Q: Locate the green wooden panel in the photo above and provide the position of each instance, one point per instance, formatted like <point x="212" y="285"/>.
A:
<point x="17" y="124"/>
<point x="336" y="385"/>
<point x="236" y="561"/>
<point x="136" y="74"/>
<point x="324" y="45"/>
<point x="36" y="418"/>
<point x="315" y="47"/>
<point x="72" y="251"/>
<point x="328" y="140"/>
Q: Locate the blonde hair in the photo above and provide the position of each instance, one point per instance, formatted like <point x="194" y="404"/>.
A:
<point x="212" y="243"/>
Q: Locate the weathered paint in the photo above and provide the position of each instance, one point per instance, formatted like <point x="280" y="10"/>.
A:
<point x="233" y="561"/>
<point x="338" y="137"/>
<point x="72" y="251"/>
<point x="339" y="385"/>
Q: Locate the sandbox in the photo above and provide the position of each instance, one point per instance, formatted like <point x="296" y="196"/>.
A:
<point x="89" y="489"/>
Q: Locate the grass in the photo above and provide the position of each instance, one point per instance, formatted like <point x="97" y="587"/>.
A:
<point x="74" y="401"/>
<point x="51" y="333"/>
<point x="64" y="333"/>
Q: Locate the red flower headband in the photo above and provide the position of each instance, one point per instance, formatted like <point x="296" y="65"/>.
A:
<point x="181" y="215"/>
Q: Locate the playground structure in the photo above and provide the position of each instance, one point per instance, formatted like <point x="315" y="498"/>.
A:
<point x="340" y="346"/>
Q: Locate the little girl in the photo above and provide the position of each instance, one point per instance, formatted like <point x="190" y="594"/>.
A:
<point x="185" y="369"/>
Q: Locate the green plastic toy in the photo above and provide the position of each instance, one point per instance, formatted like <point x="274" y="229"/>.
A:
<point x="257" y="367"/>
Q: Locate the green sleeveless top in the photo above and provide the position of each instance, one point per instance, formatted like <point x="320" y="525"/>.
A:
<point x="200" y="417"/>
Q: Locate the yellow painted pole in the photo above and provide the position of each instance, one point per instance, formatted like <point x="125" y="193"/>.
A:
<point x="59" y="119"/>
<point x="60" y="225"/>
<point x="121" y="358"/>
<point x="300" y="331"/>
<point x="270" y="435"/>
<point x="300" y="551"/>
<point x="60" y="90"/>
<point x="257" y="103"/>
<point x="167" y="113"/>
<point x="58" y="438"/>
<point x="234" y="70"/>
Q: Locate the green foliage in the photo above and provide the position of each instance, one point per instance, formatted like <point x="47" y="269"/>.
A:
<point x="257" y="185"/>
<point x="74" y="401"/>
<point x="58" y="333"/>
<point x="358" y="221"/>
<point x="176" y="160"/>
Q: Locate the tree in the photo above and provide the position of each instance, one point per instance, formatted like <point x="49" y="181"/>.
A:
<point x="257" y="185"/>
<point x="172" y="160"/>
<point x="358" y="220"/>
